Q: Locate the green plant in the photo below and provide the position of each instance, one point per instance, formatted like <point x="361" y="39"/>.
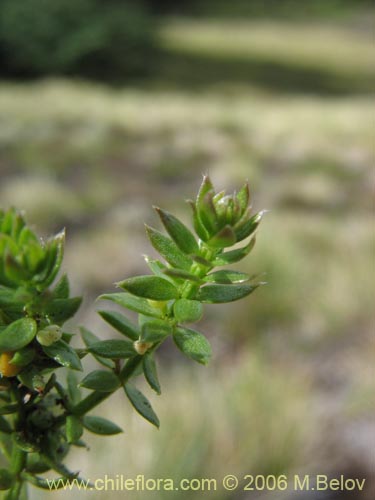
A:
<point x="41" y="416"/>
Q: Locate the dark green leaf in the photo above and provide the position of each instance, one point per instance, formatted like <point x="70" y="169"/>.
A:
<point x="62" y="288"/>
<point x="89" y="338"/>
<point x="187" y="311"/>
<point x="149" y="368"/>
<point x="60" y="310"/>
<point x="207" y="213"/>
<point x="73" y="428"/>
<point x="141" y="404"/>
<point x="217" y="294"/>
<point x="131" y="367"/>
<point x="246" y="227"/>
<point x="100" y="380"/>
<point x="193" y="344"/>
<point x="137" y="304"/>
<point x="226" y="277"/>
<point x="99" y="425"/>
<point x="150" y="287"/>
<point x="168" y="249"/>
<point x="4" y="426"/>
<point x="155" y="330"/>
<point x="234" y="256"/>
<point x="179" y="233"/>
<point x="17" y="335"/>
<point x="121" y="323"/>
<point x="114" y="349"/>
<point x="198" y="226"/>
<point x="65" y="355"/>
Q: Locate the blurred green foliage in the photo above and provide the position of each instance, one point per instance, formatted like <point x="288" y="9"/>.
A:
<point x="84" y="37"/>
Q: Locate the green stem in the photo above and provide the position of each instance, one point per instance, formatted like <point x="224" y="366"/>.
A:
<point x="89" y="402"/>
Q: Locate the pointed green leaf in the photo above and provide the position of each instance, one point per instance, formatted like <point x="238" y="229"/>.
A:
<point x="89" y="338"/>
<point x="187" y="311"/>
<point x="149" y="368"/>
<point x="205" y="187"/>
<point x="17" y="335"/>
<point x="137" y="304"/>
<point x="243" y="197"/>
<point x="150" y="287"/>
<point x="179" y="233"/>
<point x="168" y="249"/>
<point x="60" y="310"/>
<point x="101" y="380"/>
<point x="226" y="276"/>
<point x="207" y="213"/>
<point x="224" y="238"/>
<point x="131" y="367"/>
<point x="193" y="344"/>
<point x="63" y="354"/>
<point x="155" y="330"/>
<point x="99" y="425"/>
<point x="73" y="428"/>
<point x="217" y="294"/>
<point x="62" y="288"/>
<point x="114" y="349"/>
<point x="141" y="404"/>
<point x="245" y="228"/>
<point x="198" y="226"/>
<point x="234" y="256"/>
<point x="121" y="323"/>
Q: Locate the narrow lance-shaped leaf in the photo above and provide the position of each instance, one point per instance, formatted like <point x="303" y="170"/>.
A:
<point x="168" y="249"/>
<point x="89" y="338"/>
<point x="180" y="234"/>
<point x="114" y="349"/>
<point x="149" y="368"/>
<point x="137" y="304"/>
<point x="100" y="425"/>
<point x="141" y="404"/>
<point x="60" y="310"/>
<point x="245" y="228"/>
<point x="150" y="287"/>
<point x="121" y="323"/>
<point x="226" y="276"/>
<point x="217" y="294"/>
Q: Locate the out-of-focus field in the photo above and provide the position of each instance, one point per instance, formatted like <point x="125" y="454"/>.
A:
<point x="291" y="385"/>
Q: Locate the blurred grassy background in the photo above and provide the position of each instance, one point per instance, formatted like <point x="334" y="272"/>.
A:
<point x="281" y="97"/>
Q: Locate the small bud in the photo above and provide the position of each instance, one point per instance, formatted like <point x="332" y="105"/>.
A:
<point x="6" y="368"/>
<point x="142" y="347"/>
<point x="49" y="335"/>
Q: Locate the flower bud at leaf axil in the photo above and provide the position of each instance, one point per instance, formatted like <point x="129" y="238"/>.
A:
<point x="6" y="368"/>
<point x="142" y="347"/>
<point x="49" y="335"/>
